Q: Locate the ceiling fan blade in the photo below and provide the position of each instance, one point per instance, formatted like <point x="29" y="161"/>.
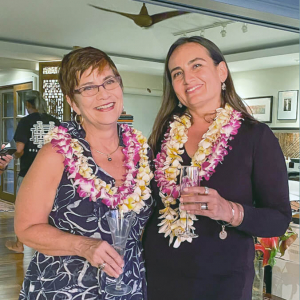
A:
<point x="144" y="10"/>
<point x="130" y="16"/>
<point x="166" y="15"/>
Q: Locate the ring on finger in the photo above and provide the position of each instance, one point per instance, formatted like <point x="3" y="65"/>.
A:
<point x="206" y="190"/>
<point x="203" y="206"/>
<point x="102" y="266"/>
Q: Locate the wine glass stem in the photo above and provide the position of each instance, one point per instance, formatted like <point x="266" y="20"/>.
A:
<point x="118" y="282"/>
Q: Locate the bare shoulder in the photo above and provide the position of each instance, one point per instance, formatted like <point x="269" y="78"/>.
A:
<point x="47" y="162"/>
<point x="49" y="153"/>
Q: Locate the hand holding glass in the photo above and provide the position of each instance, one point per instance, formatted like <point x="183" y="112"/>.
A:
<point x="189" y="176"/>
<point x="119" y="225"/>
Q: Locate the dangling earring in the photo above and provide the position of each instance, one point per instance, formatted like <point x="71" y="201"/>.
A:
<point x="223" y="86"/>
<point x="78" y="119"/>
<point x="179" y="104"/>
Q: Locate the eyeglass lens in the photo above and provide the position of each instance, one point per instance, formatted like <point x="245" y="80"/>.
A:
<point x="92" y="90"/>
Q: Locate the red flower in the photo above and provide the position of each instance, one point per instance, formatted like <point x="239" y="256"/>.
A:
<point x="270" y="243"/>
<point x="268" y="246"/>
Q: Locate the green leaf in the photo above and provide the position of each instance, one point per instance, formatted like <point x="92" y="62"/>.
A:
<point x="286" y="236"/>
<point x="272" y="260"/>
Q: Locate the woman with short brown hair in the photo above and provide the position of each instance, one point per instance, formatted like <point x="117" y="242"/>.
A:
<point x="88" y="167"/>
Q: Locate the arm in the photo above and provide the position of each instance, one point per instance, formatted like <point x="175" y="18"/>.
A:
<point x="20" y="150"/>
<point x="21" y="137"/>
<point x="272" y="213"/>
<point x="33" y="205"/>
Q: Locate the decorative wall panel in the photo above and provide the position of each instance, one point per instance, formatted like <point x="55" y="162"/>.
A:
<point x="289" y="143"/>
<point x="54" y="97"/>
<point x="50" y="70"/>
<point x="50" y="89"/>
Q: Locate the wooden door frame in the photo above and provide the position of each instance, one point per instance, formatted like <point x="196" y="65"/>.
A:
<point x="15" y="88"/>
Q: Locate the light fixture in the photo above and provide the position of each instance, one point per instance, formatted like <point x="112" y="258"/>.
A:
<point x="203" y="28"/>
<point x="223" y="31"/>
<point x="244" y="28"/>
<point x="202" y="33"/>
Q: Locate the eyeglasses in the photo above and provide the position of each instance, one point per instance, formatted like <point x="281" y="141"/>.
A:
<point x="91" y="90"/>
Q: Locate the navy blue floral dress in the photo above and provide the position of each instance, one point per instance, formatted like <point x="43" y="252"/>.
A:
<point x="72" y="277"/>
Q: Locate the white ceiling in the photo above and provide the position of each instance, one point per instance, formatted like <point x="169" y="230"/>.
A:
<point x="34" y="31"/>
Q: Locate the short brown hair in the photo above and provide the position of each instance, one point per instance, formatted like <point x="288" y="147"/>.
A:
<point x="75" y="63"/>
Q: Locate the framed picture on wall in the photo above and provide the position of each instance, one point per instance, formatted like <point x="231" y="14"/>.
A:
<point x="260" y="108"/>
<point x="287" y="105"/>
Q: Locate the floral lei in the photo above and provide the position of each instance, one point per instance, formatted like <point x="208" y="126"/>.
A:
<point x="211" y="151"/>
<point x="135" y="188"/>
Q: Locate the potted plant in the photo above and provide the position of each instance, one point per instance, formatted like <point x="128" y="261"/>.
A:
<point x="266" y="250"/>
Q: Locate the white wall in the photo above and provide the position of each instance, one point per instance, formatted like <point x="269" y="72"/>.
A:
<point x="144" y="110"/>
<point x="142" y="99"/>
<point x="13" y="76"/>
<point x="141" y="81"/>
<point x="269" y="82"/>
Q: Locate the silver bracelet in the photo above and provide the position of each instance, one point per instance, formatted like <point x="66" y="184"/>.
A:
<point x="232" y="209"/>
<point x="241" y="213"/>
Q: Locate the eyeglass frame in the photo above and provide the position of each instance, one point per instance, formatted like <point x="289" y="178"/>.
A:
<point x="118" y="78"/>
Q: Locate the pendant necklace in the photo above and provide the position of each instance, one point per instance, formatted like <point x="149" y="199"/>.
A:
<point x="223" y="233"/>
<point x="108" y="154"/>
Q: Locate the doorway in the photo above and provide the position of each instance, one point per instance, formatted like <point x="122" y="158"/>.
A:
<point x="12" y="110"/>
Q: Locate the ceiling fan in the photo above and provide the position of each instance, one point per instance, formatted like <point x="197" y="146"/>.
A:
<point x="143" y="19"/>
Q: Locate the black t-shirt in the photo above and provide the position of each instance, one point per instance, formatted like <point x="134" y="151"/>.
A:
<point x="31" y="131"/>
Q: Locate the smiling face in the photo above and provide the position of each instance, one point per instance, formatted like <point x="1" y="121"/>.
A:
<point x="195" y="78"/>
<point x="106" y="106"/>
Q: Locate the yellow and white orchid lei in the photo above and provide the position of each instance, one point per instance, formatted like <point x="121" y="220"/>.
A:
<point x="211" y="150"/>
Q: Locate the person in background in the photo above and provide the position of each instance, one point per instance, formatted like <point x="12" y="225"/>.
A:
<point x="89" y="166"/>
<point x="4" y="161"/>
<point x="243" y="190"/>
<point x="29" y="137"/>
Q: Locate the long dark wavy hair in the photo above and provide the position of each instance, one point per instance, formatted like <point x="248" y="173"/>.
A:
<point x="169" y="106"/>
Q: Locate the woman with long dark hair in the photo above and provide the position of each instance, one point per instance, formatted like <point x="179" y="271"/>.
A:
<point x="243" y="188"/>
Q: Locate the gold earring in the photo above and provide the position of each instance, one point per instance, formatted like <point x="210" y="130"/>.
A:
<point x="78" y="119"/>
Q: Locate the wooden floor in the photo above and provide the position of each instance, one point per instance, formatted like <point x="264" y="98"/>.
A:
<point x="12" y="265"/>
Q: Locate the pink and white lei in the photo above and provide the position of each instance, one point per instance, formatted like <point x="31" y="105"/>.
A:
<point x="211" y="151"/>
<point x="135" y="188"/>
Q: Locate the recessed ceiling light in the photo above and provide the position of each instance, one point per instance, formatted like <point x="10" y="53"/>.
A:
<point x="223" y="32"/>
<point x="244" y="28"/>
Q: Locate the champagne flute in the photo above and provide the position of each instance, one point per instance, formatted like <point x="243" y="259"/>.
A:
<point x="119" y="225"/>
<point x="189" y="176"/>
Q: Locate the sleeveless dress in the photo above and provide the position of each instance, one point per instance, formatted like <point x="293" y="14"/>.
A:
<point x="73" y="277"/>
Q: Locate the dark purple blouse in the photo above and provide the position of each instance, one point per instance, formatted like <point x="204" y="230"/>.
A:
<point x="253" y="174"/>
